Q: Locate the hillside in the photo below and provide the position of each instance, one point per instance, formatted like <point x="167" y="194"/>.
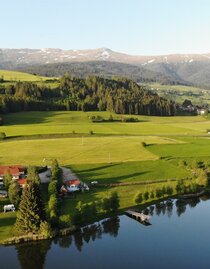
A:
<point x="122" y="96"/>
<point x="188" y="69"/>
<point x="105" y="69"/>
<point x="8" y="75"/>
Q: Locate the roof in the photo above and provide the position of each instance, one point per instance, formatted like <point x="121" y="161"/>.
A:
<point x="72" y="182"/>
<point x="14" y="170"/>
<point x="22" y="181"/>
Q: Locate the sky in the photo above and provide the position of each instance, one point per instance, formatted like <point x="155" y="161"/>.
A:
<point x="138" y="27"/>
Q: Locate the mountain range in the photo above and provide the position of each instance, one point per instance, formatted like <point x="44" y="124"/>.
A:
<point x="188" y="69"/>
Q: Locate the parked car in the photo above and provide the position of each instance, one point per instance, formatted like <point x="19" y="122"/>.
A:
<point x="10" y="207"/>
<point x="3" y="194"/>
<point x="94" y="182"/>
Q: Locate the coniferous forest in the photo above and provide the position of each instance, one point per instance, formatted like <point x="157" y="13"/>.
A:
<point x="117" y="95"/>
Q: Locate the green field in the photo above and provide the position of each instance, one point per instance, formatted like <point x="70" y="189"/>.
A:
<point x="20" y="76"/>
<point x="114" y="153"/>
<point x="30" y="123"/>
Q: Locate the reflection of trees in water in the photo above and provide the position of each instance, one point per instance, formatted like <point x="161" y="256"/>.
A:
<point x="193" y="202"/>
<point x="32" y="256"/>
<point x="91" y="232"/>
<point x="166" y="207"/>
<point x="151" y="210"/>
<point x="160" y="208"/>
<point x="78" y="240"/>
<point x="111" y="226"/>
<point x="180" y="207"/>
<point x="65" y="242"/>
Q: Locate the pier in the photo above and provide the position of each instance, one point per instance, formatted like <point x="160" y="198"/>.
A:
<point x="144" y="219"/>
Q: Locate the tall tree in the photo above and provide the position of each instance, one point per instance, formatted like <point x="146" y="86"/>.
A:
<point x="14" y="193"/>
<point x="29" y="215"/>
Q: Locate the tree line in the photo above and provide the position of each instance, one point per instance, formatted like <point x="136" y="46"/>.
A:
<point x="122" y="96"/>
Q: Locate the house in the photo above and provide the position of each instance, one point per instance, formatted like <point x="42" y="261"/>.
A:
<point x="73" y="185"/>
<point x="15" y="170"/>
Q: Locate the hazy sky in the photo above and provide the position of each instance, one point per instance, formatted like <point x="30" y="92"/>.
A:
<point x="131" y="26"/>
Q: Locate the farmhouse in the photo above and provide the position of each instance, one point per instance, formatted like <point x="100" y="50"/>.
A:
<point x="15" y="170"/>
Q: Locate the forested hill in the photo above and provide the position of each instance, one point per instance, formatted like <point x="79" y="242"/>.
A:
<point x="122" y="96"/>
<point x="103" y="69"/>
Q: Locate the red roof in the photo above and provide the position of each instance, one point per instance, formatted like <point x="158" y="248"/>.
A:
<point x="22" y="181"/>
<point x="73" y="182"/>
<point x="14" y="170"/>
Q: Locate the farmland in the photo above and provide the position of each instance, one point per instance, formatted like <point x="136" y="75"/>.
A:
<point x="147" y="151"/>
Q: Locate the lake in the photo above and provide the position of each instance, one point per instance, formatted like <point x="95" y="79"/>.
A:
<point x="178" y="237"/>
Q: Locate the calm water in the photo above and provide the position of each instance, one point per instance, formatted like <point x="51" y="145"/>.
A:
<point x="179" y="237"/>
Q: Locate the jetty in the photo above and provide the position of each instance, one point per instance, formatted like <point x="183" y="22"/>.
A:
<point x="138" y="216"/>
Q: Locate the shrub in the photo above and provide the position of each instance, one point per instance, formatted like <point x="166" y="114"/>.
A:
<point x="146" y="195"/>
<point x="64" y="221"/>
<point x="52" y="188"/>
<point x="91" y="132"/>
<point x="143" y="144"/>
<point x="138" y="198"/>
<point x="45" y="229"/>
<point x="2" y="136"/>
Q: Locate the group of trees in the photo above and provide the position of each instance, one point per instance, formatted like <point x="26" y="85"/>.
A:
<point x="199" y="180"/>
<point x="159" y="192"/>
<point x="121" y="96"/>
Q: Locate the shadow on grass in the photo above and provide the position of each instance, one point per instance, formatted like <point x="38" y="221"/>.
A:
<point x="7" y="221"/>
<point x="126" y="178"/>
<point x="99" y="168"/>
<point x="29" y="117"/>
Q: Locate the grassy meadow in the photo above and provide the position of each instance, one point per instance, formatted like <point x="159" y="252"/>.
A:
<point x="116" y="152"/>
<point x="20" y="76"/>
<point x="31" y="123"/>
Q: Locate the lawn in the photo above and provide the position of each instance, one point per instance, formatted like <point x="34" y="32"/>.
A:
<point x="7" y="221"/>
<point x="129" y="172"/>
<point x="30" y="123"/>
<point x="195" y="147"/>
<point x="78" y="150"/>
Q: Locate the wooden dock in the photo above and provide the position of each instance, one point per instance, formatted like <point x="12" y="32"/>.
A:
<point x="138" y="216"/>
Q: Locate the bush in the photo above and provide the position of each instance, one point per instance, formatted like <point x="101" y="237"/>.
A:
<point x="130" y="119"/>
<point x="138" y="198"/>
<point x="143" y="144"/>
<point x="45" y="229"/>
<point x="64" y="221"/>
<point x="96" y="118"/>
<point x="91" y="132"/>
<point x="146" y="195"/>
<point x="2" y="136"/>
<point x="53" y="203"/>
<point x="52" y="187"/>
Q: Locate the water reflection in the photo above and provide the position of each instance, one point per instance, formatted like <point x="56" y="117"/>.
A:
<point x="33" y="255"/>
